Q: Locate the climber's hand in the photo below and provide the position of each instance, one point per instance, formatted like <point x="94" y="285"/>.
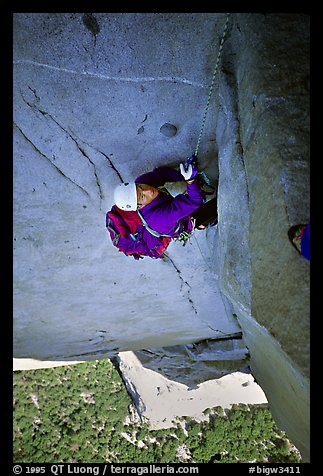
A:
<point x="190" y="171"/>
<point x="187" y="174"/>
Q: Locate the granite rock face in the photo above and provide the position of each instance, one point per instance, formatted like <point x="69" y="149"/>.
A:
<point x="264" y="189"/>
<point x="92" y="96"/>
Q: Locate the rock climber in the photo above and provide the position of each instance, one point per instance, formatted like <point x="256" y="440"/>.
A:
<point x="153" y="216"/>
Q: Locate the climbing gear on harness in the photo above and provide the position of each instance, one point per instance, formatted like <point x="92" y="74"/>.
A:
<point x="212" y="83"/>
<point x="184" y="236"/>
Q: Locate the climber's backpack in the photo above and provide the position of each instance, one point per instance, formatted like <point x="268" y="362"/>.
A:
<point x="124" y="224"/>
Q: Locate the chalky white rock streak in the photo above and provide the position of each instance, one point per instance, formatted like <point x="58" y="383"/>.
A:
<point x="171" y="79"/>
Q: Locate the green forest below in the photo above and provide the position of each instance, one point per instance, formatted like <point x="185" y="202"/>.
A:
<point x="83" y="414"/>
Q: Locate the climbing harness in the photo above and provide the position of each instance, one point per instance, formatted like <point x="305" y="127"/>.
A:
<point x="151" y="231"/>
<point x="212" y="83"/>
<point x="183" y="236"/>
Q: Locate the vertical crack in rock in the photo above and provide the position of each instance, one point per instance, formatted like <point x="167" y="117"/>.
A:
<point x="94" y="169"/>
<point x="241" y="156"/>
<point x="182" y="283"/>
<point x="45" y="113"/>
<point x="47" y="158"/>
<point x="228" y="335"/>
<point x="230" y="81"/>
<point x="111" y="164"/>
<point x="73" y="138"/>
<point x="79" y="148"/>
<point x="37" y="98"/>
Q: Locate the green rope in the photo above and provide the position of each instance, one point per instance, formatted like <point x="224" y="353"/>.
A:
<point x="212" y="83"/>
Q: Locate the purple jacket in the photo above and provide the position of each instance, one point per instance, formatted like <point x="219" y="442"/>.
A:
<point x="165" y="214"/>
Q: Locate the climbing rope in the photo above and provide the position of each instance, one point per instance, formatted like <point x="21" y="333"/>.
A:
<point x="212" y="83"/>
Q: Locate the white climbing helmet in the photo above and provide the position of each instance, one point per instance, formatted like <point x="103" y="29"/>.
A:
<point x="125" y="196"/>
